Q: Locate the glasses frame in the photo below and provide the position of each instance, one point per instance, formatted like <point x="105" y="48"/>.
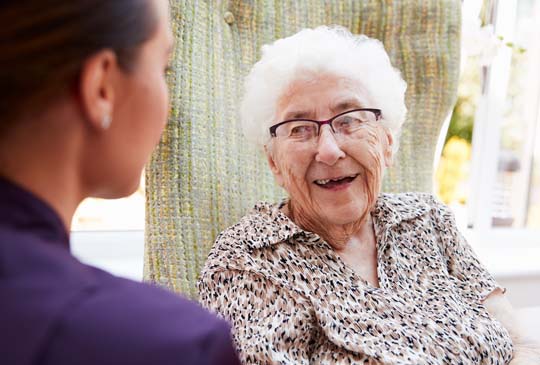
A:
<point x="320" y="123"/>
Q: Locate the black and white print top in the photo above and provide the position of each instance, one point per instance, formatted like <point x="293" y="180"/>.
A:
<point x="292" y="300"/>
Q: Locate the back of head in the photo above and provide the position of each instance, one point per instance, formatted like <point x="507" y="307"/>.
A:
<point x="44" y="43"/>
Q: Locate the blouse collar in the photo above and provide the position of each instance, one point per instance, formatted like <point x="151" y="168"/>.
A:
<point x="269" y="225"/>
<point x="22" y="210"/>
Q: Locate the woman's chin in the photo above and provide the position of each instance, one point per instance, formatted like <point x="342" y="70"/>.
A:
<point x="129" y="188"/>
<point x="119" y="191"/>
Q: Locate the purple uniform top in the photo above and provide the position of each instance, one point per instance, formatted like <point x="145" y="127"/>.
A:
<point x="56" y="310"/>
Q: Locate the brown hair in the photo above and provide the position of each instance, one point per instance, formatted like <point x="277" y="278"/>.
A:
<point x="44" y="43"/>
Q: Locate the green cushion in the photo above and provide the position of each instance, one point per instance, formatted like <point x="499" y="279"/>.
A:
<point x="204" y="175"/>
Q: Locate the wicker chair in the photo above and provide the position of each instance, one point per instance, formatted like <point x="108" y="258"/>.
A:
<point x="204" y="175"/>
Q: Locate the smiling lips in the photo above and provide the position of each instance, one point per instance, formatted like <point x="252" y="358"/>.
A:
<point x="335" y="182"/>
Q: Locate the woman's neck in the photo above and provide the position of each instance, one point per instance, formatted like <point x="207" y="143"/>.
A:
<point x="53" y="188"/>
<point x="337" y="236"/>
<point x="44" y="163"/>
<point x="360" y="254"/>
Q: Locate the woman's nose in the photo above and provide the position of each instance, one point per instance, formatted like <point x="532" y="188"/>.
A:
<point x="328" y="149"/>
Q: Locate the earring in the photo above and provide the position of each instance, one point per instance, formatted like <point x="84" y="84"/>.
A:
<point x="106" y="121"/>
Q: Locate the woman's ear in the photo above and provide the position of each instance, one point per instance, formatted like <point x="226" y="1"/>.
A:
<point x="97" y="89"/>
<point x="268" y="150"/>
<point x="389" y="150"/>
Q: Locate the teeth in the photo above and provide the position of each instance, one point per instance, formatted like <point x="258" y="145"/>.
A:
<point x="322" y="182"/>
<point x="326" y="181"/>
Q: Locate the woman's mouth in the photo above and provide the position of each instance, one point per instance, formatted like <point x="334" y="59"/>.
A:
<point x="337" y="182"/>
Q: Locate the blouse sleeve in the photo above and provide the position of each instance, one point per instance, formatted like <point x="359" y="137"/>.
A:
<point x="270" y="326"/>
<point x="472" y="278"/>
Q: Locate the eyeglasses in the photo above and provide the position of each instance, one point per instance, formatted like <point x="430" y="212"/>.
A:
<point x="345" y="123"/>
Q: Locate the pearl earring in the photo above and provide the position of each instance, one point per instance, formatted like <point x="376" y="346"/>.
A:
<point x="106" y="121"/>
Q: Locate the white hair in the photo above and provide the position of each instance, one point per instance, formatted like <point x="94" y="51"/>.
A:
<point x="324" y="50"/>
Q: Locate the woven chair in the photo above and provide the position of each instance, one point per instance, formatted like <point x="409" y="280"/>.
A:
<point x="204" y="176"/>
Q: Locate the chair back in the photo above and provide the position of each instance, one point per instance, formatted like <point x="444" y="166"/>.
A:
<point x="204" y="175"/>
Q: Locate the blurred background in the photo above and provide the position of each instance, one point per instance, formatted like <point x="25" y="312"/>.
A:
<point x="488" y="171"/>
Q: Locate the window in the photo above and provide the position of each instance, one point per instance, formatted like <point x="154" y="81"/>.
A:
<point x="506" y="189"/>
<point x="489" y="171"/>
<point x="126" y="214"/>
<point x="109" y="234"/>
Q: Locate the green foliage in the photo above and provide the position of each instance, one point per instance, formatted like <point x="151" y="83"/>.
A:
<point x="462" y="121"/>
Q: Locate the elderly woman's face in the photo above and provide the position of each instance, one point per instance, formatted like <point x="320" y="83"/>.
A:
<point x="333" y="179"/>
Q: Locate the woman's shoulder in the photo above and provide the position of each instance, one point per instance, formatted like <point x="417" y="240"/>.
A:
<point x="398" y="207"/>
<point x="409" y="199"/>
<point x="249" y="228"/>
<point x="55" y="290"/>
<point x="259" y="229"/>
<point x="108" y="310"/>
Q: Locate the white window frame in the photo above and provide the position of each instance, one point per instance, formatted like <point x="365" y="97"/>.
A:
<point x="509" y="253"/>
<point x="488" y="122"/>
<point x="487" y="136"/>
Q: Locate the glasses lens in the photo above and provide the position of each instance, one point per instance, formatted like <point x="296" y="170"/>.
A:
<point x="301" y="130"/>
<point x="353" y="121"/>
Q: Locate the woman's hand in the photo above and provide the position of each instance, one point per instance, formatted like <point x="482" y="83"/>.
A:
<point x="526" y="350"/>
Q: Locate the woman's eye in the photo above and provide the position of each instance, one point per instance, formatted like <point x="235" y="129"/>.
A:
<point x="348" y="123"/>
<point x="301" y="131"/>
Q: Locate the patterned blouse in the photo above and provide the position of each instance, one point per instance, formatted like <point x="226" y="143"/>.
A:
<point x="292" y="300"/>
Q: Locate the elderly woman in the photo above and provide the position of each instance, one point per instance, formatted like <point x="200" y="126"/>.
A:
<point x="339" y="273"/>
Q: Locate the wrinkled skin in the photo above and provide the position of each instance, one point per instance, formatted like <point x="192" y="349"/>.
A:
<point x="334" y="214"/>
